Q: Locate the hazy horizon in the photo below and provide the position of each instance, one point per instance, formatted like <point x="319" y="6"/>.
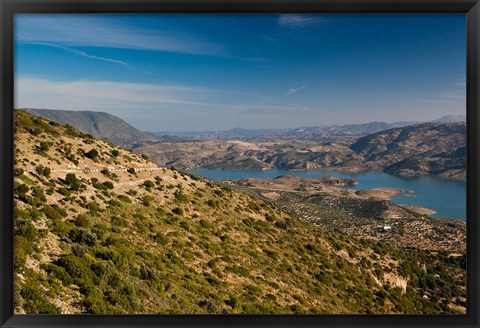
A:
<point x="186" y="72"/>
<point x="243" y="128"/>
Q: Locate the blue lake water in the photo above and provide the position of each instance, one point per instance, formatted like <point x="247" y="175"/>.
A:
<point x="446" y="196"/>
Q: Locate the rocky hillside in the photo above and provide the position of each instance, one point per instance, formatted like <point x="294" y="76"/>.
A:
<point x="100" y="125"/>
<point x="99" y="229"/>
<point x="431" y="148"/>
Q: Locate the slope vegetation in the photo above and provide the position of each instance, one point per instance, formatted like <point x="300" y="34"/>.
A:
<point x="99" y="229"/>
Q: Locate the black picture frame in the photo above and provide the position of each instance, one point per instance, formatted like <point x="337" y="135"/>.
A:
<point x="8" y="8"/>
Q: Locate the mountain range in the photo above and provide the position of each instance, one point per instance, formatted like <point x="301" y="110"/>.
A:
<point x="309" y="133"/>
<point x="112" y="128"/>
<point x="406" y="148"/>
<point x="428" y="148"/>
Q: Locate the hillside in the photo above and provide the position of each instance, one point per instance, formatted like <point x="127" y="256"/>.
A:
<point x="326" y="202"/>
<point x="100" y="125"/>
<point x="429" y="148"/>
<point x="99" y="229"/>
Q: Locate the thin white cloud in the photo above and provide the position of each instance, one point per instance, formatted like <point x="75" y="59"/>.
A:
<point x="103" y="95"/>
<point x="116" y="97"/>
<point x="92" y="31"/>
<point x="293" y="90"/>
<point x="299" y="21"/>
<point x="85" y="54"/>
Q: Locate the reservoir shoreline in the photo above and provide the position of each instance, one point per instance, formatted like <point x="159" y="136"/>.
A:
<point x="446" y="197"/>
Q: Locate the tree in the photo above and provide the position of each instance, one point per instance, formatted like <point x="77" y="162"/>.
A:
<point x="148" y="184"/>
<point x="115" y="153"/>
<point x="47" y="171"/>
<point x="71" y="178"/>
<point x="92" y="154"/>
<point x="73" y="182"/>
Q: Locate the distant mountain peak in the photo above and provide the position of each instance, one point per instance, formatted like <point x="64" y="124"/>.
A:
<point x="100" y="125"/>
<point x="451" y="119"/>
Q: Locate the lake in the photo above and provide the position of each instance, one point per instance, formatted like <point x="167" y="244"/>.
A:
<point x="447" y="197"/>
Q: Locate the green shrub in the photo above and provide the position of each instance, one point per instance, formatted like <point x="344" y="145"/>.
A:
<point x="58" y="272"/>
<point x="119" y="222"/>
<point x="147" y="200"/>
<point x="39" y="195"/>
<point x="46" y="172"/>
<point x="322" y="278"/>
<point x="115" y="153"/>
<point x="93" y="207"/>
<point x="148" y="184"/>
<point x="45" y="146"/>
<point x="82" y="236"/>
<point x="132" y="192"/>
<point x="254" y="290"/>
<point x="180" y="197"/>
<point x="21" y="247"/>
<point x="185" y="225"/>
<point x="64" y="192"/>
<point x="36" y="302"/>
<point x="282" y="224"/>
<point x="205" y="224"/>
<point x="82" y="221"/>
<point x="212" y="203"/>
<point x="25" y="229"/>
<point x="72" y="181"/>
<point x="271" y="254"/>
<point x="108" y="184"/>
<point x="178" y="211"/>
<point x="18" y="171"/>
<point x="92" y="154"/>
<point x="160" y="238"/>
<point x="124" y="198"/>
<point x="75" y="266"/>
<point x="241" y="271"/>
<point x="21" y="189"/>
<point x="52" y="213"/>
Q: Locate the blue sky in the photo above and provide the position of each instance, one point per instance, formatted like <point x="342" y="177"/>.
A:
<point x="217" y="72"/>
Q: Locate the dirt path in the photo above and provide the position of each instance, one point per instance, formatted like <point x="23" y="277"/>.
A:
<point x="111" y="169"/>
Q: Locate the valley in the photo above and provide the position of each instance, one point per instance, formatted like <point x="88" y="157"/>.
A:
<point x="359" y="213"/>
<point x="403" y="148"/>
<point x="423" y="149"/>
